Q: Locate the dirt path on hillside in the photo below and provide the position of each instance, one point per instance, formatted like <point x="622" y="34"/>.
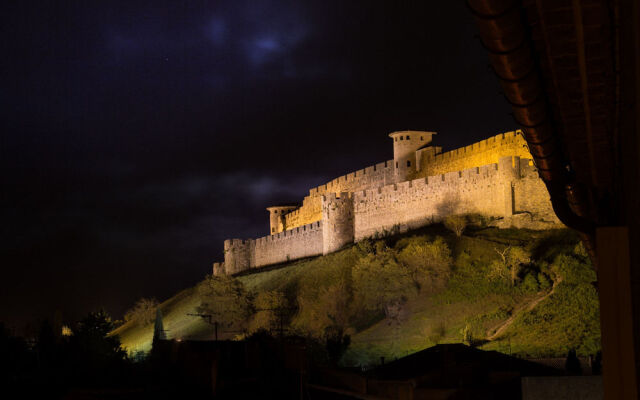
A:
<point x="499" y="329"/>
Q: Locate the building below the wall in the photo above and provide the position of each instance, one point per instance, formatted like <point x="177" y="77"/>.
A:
<point x="495" y="178"/>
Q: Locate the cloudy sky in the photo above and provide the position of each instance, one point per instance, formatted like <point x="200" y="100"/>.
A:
<point x="137" y="136"/>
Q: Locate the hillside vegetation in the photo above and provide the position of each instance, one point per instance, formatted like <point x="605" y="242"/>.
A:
<point x="529" y="293"/>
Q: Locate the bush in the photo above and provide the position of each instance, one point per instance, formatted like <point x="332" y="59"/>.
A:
<point x="467" y="335"/>
<point x="323" y="308"/>
<point x="379" y="281"/>
<point x="529" y="283"/>
<point x="456" y="224"/>
<point x="572" y="270"/>
<point x="544" y="282"/>
<point x="428" y="262"/>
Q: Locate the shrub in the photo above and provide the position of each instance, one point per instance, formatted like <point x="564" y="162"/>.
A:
<point x="379" y="281"/>
<point x="543" y="281"/>
<point x="456" y="224"/>
<point x="530" y="283"/>
<point x="323" y="308"/>
<point x="428" y="262"/>
<point x="572" y="270"/>
<point x="467" y="335"/>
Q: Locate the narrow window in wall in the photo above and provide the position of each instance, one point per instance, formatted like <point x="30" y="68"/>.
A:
<point x="396" y="164"/>
<point x="421" y="137"/>
<point x="408" y="138"/>
<point x="273" y="230"/>
<point x="401" y="137"/>
<point x="408" y="163"/>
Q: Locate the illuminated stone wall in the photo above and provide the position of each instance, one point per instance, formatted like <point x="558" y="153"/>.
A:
<point x="430" y="162"/>
<point x="302" y="241"/>
<point x="482" y="190"/>
<point x="494" y="177"/>
<point x="485" y="152"/>
<point x="241" y="255"/>
<point x="311" y="210"/>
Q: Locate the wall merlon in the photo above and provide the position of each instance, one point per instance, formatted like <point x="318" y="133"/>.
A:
<point x="419" y="183"/>
<point x="403" y="185"/>
<point x="452" y="176"/>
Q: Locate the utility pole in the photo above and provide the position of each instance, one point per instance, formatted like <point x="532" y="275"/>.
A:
<point x="210" y="321"/>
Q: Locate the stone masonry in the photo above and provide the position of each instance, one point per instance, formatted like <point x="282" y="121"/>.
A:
<point x="421" y="185"/>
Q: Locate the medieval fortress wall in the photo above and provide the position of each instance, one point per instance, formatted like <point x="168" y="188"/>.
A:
<point x="495" y="178"/>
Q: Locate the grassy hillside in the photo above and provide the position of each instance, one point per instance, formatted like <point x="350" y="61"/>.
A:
<point x="402" y="294"/>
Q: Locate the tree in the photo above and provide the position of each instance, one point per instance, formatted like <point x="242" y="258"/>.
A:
<point x="456" y="224"/>
<point x="159" y="333"/>
<point x="511" y="260"/>
<point x="326" y="307"/>
<point x="379" y="280"/>
<point x="143" y="312"/>
<point x="92" y="343"/>
<point x="224" y="298"/>
<point x="467" y="335"/>
<point x="429" y="263"/>
<point x="270" y="310"/>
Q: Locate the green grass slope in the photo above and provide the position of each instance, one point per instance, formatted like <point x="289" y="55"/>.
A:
<point x="370" y="292"/>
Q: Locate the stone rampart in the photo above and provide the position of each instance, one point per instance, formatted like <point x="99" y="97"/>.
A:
<point x="311" y="210"/>
<point x="302" y="241"/>
<point x="485" y="152"/>
<point x="419" y="202"/>
<point x="376" y="175"/>
<point x="494" y="177"/>
<point x="241" y="255"/>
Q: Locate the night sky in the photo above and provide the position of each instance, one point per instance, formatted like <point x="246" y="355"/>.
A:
<point x="137" y="136"/>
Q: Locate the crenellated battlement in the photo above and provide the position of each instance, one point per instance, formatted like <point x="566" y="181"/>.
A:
<point x="291" y="233"/>
<point x="494" y="177"/>
<point x="371" y="175"/>
<point x="484" y="152"/>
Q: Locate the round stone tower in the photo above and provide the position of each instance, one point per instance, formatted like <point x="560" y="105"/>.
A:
<point x="405" y="144"/>
<point x="238" y="255"/>
<point x="337" y="222"/>
<point x="276" y="217"/>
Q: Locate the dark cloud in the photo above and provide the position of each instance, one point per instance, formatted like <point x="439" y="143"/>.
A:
<point x="139" y="135"/>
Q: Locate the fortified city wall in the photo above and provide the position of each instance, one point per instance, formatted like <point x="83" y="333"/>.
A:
<point x="430" y="162"/>
<point x="484" y="152"/>
<point x="369" y="202"/>
<point x="300" y="242"/>
<point x="500" y="190"/>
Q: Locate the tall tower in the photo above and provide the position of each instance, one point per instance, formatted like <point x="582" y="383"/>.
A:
<point x="276" y="218"/>
<point x="405" y="145"/>
<point x="338" y="227"/>
<point x="238" y="255"/>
